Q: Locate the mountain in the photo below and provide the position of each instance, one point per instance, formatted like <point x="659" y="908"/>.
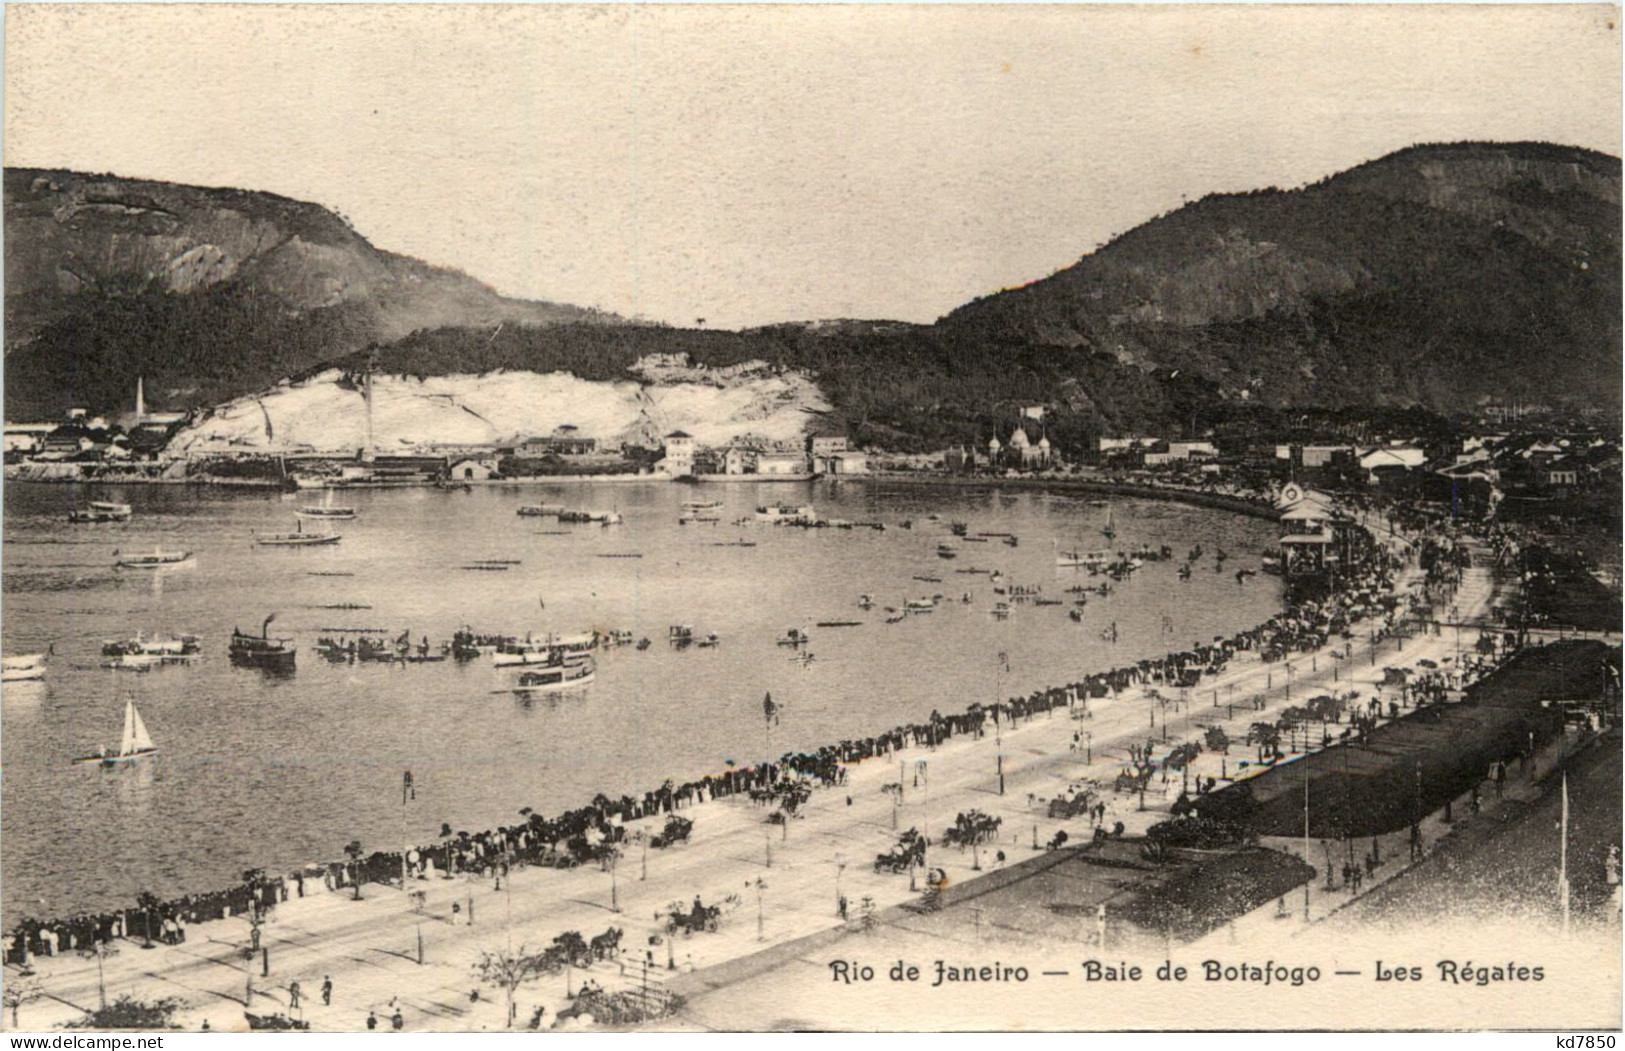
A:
<point x="1430" y="280"/>
<point x="1438" y="276"/>
<point x="205" y="292"/>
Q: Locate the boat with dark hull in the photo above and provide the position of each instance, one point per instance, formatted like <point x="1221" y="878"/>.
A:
<point x="262" y="651"/>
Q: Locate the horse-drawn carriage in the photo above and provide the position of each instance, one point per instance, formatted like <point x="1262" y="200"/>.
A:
<point x="606" y="946"/>
<point x="699" y="917"/>
<point x="1064" y="807"/>
<point x="1132" y="781"/>
<point x="677" y="830"/>
<point x="909" y="851"/>
<point x="277" y="1022"/>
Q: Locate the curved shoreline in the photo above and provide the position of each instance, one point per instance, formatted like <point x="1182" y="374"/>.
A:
<point x="1196" y="497"/>
<point x="381" y="866"/>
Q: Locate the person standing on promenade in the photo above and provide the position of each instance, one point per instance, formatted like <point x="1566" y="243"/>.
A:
<point x="327" y="990"/>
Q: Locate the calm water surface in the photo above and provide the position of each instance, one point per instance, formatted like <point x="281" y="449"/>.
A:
<point x="262" y="771"/>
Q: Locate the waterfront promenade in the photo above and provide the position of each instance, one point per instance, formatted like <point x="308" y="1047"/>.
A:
<point x="370" y="947"/>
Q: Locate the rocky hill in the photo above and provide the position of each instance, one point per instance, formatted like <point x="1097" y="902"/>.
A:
<point x="206" y="292"/>
<point x="1437" y="276"/>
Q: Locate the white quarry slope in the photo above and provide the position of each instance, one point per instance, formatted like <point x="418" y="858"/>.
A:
<point x="321" y="414"/>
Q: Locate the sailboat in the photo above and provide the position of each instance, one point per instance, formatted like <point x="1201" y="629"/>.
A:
<point x="1110" y="532"/>
<point x="135" y="743"/>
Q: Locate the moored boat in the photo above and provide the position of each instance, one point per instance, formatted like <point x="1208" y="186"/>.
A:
<point x="786" y="514"/>
<point x="544" y="650"/>
<point x="159" y="559"/>
<point x="541" y="510"/>
<point x="142" y="653"/>
<point x="299" y="538"/>
<point x="326" y="510"/>
<point x="607" y="518"/>
<point x="101" y="511"/>
<point x="23" y="667"/>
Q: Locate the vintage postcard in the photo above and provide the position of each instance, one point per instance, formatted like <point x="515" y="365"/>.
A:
<point x="697" y="518"/>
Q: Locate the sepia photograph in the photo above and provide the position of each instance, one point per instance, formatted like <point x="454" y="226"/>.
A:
<point x="545" y="518"/>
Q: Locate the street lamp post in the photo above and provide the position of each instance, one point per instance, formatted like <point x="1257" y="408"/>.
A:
<point x="761" y="885"/>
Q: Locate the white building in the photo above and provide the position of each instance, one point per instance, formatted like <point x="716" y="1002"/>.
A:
<point x="679" y="461"/>
<point x="471" y="469"/>
<point x="849" y="462"/>
<point x="27" y="437"/>
<point x="781" y="463"/>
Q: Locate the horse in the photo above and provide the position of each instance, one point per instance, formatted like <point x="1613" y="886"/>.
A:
<point x="606" y="946"/>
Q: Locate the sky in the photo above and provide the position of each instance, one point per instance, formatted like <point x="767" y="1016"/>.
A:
<point x="755" y="164"/>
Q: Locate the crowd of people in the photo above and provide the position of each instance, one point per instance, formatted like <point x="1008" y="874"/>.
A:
<point x="580" y="835"/>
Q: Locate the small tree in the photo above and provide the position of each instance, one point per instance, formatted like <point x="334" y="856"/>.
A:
<point x="895" y="790"/>
<point x="508" y="971"/>
<point x="18" y="992"/>
<point x="100" y="951"/>
<point x="1266" y="736"/>
<point x="129" y="1013"/>
<point x="1217" y="740"/>
<point x="971" y="829"/>
<point x="353" y="849"/>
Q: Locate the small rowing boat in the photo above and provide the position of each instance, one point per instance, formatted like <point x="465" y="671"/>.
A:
<point x="159" y="559"/>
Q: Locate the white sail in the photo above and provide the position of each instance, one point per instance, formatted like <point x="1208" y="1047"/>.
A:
<point x="136" y="738"/>
<point x="127" y="742"/>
